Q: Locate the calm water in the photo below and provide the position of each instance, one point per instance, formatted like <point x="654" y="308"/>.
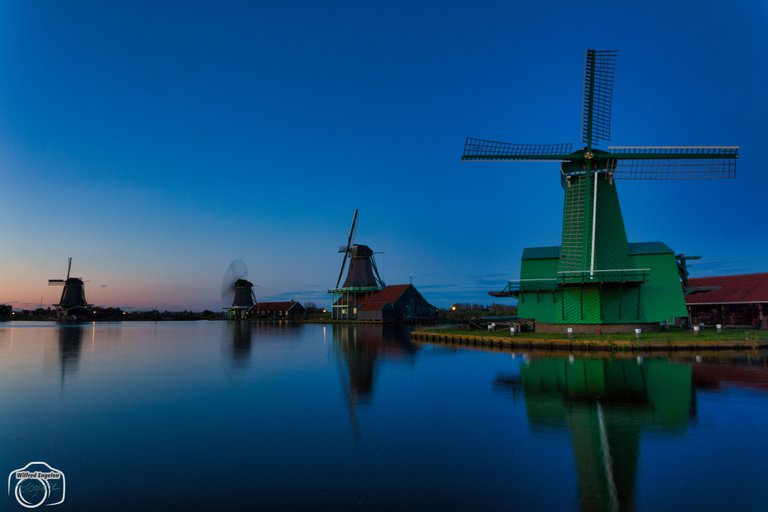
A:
<point x="219" y="416"/>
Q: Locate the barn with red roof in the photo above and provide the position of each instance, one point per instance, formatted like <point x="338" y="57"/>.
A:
<point x="395" y="303"/>
<point x="731" y="300"/>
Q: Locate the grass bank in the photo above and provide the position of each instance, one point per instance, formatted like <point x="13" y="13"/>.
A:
<point x="666" y="340"/>
<point x="666" y="335"/>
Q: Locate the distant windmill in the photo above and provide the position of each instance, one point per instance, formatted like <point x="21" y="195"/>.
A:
<point x="362" y="276"/>
<point x="595" y="276"/>
<point x="237" y="291"/>
<point x="72" y="306"/>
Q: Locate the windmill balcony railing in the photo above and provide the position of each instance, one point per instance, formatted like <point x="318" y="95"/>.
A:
<point x="577" y="277"/>
<point x="516" y="286"/>
<point x="622" y="275"/>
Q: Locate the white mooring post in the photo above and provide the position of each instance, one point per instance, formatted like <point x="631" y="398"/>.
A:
<point x="638" y="332"/>
<point x="719" y="327"/>
<point x="696" y="330"/>
<point x="512" y="330"/>
<point x="570" y="332"/>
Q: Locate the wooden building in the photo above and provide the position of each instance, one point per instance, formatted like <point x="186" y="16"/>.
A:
<point x="733" y="300"/>
<point x="395" y="303"/>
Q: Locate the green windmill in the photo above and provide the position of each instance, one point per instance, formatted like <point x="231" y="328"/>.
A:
<point x="595" y="276"/>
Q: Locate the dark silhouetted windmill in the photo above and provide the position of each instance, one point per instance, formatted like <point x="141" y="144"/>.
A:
<point x="72" y="306"/>
<point x="237" y="291"/>
<point x="595" y="276"/>
<point x="362" y="276"/>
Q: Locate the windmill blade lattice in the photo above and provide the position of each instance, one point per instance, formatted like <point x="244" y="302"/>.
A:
<point x="479" y="149"/>
<point x="379" y="281"/>
<point x="673" y="162"/>
<point x="599" y="73"/>
<point x="348" y="247"/>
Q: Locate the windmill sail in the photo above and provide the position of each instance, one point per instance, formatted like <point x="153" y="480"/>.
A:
<point x="479" y="149"/>
<point x="599" y="72"/>
<point x="348" y="247"/>
<point x="674" y="162"/>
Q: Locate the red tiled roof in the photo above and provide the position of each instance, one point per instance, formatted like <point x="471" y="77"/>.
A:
<point x="388" y="295"/>
<point x="747" y="288"/>
<point x="275" y="306"/>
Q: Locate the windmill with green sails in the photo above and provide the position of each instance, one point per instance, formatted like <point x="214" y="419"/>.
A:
<point x="595" y="276"/>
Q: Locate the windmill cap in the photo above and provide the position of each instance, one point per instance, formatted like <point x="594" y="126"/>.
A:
<point x="361" y="251"/>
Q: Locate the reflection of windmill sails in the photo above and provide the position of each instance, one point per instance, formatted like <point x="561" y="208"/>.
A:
<point x="70" y="346"/>
<point x="240" y="336"/>
<point x="605" y="404"/>
<point x="237" y="291"/>
<point x="597" y="277"/>
<point x="72" y="306"/>
<point x="359" y="348"/>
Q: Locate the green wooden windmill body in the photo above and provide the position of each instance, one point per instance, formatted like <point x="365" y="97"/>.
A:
<point x="596" y="276"/>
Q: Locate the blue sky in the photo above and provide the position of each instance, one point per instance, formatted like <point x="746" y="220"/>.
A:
<point x="155" y="142"/>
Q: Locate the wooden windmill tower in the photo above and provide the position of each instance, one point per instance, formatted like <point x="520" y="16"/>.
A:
<point x="362" y="277"/>
<point x="595" y="276"/>
<point x="72" y="306"/>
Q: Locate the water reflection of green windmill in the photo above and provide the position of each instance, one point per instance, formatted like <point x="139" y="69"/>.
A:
<point x="606" y="404"/>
